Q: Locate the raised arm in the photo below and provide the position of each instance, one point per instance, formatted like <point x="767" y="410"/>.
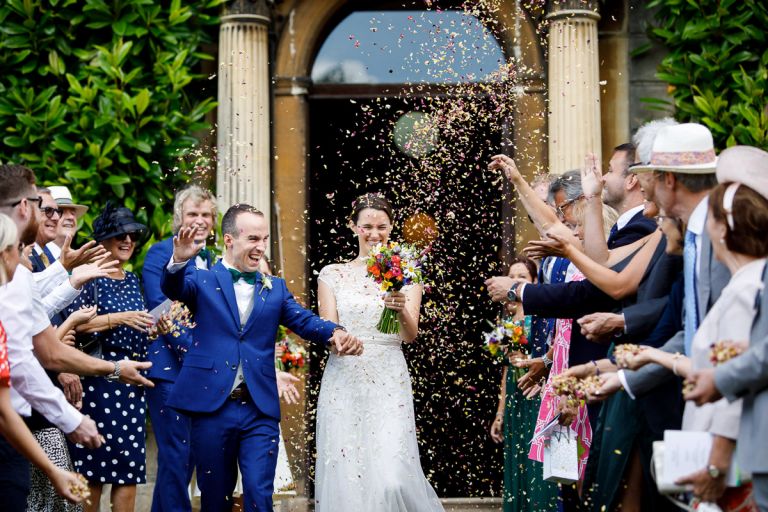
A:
<point x="595" y="245"/>
<point x="541" y="213"/>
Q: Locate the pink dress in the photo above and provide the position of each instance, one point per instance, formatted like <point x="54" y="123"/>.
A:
<point x="549" y="401"/>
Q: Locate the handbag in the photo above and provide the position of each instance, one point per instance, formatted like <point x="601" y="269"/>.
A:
<point x="90" y="343"/>
<point x="561" y="456"/>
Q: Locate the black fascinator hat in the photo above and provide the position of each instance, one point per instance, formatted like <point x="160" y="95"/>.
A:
<point x="117" y="220"/>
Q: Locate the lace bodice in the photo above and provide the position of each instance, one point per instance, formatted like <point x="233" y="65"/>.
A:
<point x="358" y="302"/>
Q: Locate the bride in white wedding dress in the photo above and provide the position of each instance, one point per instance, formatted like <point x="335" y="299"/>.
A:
<point x="367" y="454"/>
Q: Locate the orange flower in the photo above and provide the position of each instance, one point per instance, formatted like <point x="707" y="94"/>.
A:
<point x="373" y="269"/>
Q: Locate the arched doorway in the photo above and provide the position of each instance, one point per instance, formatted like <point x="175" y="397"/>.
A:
<point x="455" y="388"/>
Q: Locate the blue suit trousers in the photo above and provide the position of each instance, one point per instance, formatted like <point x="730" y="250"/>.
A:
<point x="236" y="432"/>
<point x="173" y="432"/>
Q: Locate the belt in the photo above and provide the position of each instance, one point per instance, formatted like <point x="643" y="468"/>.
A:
<point x="240" y="393"/>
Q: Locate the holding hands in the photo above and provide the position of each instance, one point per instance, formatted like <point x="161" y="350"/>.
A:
<point x="344" y="344"/>
<point x="184" y="245"/>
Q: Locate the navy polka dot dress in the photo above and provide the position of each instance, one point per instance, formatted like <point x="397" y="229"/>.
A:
<point x="118" y="409"/>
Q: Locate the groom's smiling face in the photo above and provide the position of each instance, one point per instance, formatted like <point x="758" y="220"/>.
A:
<point x="244" y="250"/>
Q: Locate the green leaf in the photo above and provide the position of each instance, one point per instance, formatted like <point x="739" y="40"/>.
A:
<point x="141" y="101"/>
<point x="115" y="179"/>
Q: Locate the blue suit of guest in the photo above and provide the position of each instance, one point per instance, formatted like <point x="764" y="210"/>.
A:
<point x="227" y="381"/>
<point x="172" y="428"/>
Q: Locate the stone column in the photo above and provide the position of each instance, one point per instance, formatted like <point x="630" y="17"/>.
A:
<point x="574" y="91"/>
<point x="243" y="132"/>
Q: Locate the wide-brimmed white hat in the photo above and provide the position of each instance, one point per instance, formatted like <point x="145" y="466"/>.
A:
<point x="684" y="148"/>
<point x="63" y="199"/>
<point x="746" y="165"/>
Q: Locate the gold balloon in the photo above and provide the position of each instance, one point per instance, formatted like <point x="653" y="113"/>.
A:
<point x="420" y="229"/>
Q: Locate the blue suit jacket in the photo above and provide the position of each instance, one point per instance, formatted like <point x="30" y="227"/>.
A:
<point x="166" y="352"/>
<point x="639" y="226"/>
<point x="220" y="342"/>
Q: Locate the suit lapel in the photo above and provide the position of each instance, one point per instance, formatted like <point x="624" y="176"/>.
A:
<point x="228" y="290"/>
<point x="704" y="284"/>
<point x="260" y="296"/>
<point x="37" y="263"/>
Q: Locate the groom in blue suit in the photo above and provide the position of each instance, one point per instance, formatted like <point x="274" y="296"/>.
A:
<point x="227" y="382"/>
<point x="193" y="207"/>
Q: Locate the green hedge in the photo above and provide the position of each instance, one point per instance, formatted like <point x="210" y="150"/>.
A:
<point x="106" y="96"/>
<point x="717" y="66"/>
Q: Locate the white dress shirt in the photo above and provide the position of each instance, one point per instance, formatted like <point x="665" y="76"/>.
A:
<point x="696" y="223"/>
<point x="23" y="316"/>
<point x="54" y="249"/>
<point x="54" y="287"/>
<point x="625" y="217"/>
<point x="244" y="295"/>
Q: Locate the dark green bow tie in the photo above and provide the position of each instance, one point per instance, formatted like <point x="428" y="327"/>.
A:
<point x="205" y="254"/>
<point x="248" y="277"/>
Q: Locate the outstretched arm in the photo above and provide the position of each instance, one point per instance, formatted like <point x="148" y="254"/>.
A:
<point x="595" y="245"/>
<point x="541" y="213"/>
<point x="616" y="284"/>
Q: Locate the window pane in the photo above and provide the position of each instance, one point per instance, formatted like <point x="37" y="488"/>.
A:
<point x="370" y="47"/>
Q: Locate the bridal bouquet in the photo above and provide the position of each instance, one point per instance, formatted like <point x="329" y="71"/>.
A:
<point x="393" y="266"/>
<point x="510" y="331"/>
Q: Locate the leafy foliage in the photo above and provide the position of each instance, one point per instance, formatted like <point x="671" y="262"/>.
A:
<point x="105" y="96"/>
<point x="717" y="66"/>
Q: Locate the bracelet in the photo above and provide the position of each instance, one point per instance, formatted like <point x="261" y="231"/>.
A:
<point x="675" y="359"/>
<point x="597" y="368"/>
<point x="109" y="322"/>
<point x="546" y="360"/>
<point x="499" y="414"/>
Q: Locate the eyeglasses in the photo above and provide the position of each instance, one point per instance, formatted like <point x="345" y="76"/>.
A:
<point x="560" y="210"/>
<point x="124" y="236"/>
<point x="50" y="211"/>
<point x="38" y="200"/>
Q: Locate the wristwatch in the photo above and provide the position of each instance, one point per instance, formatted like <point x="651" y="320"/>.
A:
<point x="546" y="360"/>
<point x="512" y="293"/>
<point x="714" y="471"/>
<point x="115" y="375"/>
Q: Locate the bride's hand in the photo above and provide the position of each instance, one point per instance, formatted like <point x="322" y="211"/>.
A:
<point x="395" y="301"/>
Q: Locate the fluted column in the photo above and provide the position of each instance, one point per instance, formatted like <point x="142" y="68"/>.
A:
<point x="243" y="132"/>
<point x="574" y="90"/>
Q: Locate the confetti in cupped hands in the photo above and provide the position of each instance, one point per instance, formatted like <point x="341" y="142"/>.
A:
<point x="394" y="266"/>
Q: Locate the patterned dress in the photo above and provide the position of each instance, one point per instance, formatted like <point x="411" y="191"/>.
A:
<point x="5" y="368"/>
<point x="118" y="409"/>
<point x="549" y="402"/>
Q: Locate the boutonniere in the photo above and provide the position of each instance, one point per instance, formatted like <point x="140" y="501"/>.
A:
<point x="266" y="283"/>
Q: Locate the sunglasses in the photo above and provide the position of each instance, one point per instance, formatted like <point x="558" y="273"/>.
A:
<point x="50" y="211"/>
<point x="38" y="200"/>
<point x="124" y="236"/>
<point x="560" y="210"/>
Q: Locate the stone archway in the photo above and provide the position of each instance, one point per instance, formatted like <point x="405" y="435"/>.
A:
<point x="302" y="27"/>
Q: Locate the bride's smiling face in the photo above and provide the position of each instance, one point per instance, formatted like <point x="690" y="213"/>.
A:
<point x="372" y="227"/>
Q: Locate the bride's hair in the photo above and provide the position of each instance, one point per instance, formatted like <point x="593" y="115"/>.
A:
<point x="374" y="200"/>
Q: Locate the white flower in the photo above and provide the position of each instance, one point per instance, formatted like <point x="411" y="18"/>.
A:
<point x="266" y="283"/>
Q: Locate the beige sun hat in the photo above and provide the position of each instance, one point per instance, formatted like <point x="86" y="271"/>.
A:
<point x="63" y="198"/>
<point x="684" y="148"/>
<point x="746" y="165"/>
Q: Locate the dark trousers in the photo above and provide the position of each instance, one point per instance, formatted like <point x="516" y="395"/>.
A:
<point x="14" y="478"/>
<point x="173" y="432"/>
<point x="236" y="433"/>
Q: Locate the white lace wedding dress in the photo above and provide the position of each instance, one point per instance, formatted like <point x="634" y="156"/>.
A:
<point x="367" y="455"/>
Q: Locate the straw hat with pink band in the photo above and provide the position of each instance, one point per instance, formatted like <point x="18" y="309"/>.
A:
<point x="685" y="148"/>
<point x="742" y="165"/>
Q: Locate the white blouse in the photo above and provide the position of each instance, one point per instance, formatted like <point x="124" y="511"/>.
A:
<point x="730" y="318"/>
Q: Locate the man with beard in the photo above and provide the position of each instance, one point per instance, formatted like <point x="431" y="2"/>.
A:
<point x="31" y="337"/>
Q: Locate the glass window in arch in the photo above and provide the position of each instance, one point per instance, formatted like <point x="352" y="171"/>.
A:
<point x="408" y="47"/>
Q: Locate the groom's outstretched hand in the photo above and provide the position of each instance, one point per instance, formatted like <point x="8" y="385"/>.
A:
<point x="345" y="344"/>
<point x="184" y="246"/>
